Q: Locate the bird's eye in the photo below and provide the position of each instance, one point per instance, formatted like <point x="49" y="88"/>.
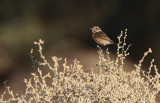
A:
<point x="96" y="28"/>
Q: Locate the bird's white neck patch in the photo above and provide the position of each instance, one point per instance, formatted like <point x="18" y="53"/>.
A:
<point x="95" y="31"/>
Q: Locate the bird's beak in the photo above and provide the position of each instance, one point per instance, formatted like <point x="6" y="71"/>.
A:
<point x="90" y="28"/>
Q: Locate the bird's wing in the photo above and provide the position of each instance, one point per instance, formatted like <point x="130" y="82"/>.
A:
<point x="102" y="35"/>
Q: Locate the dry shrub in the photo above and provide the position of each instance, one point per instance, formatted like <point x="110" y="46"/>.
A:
<point x="76" y="84"/>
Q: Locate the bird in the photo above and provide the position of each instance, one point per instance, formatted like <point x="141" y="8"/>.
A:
<point x="100" y="37"/>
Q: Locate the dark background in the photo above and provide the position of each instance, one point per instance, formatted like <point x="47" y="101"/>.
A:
<point x="64" y="26"/>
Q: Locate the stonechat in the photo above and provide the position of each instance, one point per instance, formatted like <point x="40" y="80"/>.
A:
<point x="100" y="37"/>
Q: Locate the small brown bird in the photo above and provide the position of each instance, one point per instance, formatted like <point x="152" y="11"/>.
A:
<point x="100" y="37"/>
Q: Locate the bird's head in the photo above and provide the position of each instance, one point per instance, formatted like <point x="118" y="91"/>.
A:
<point x="95" y="29"/>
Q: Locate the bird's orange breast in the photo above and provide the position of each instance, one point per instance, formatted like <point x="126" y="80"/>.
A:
<point x="100" y="40"/>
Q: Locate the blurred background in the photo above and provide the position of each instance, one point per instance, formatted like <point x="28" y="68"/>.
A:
<point x="64" y="26"/>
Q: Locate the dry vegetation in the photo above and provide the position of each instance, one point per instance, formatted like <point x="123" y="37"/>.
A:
<point x="76" y="84"/>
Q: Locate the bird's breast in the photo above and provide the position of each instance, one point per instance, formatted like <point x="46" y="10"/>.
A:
<point x="100" y="40"/>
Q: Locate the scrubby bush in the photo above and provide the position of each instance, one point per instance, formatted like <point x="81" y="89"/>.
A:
<point x="75" y="84"/>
